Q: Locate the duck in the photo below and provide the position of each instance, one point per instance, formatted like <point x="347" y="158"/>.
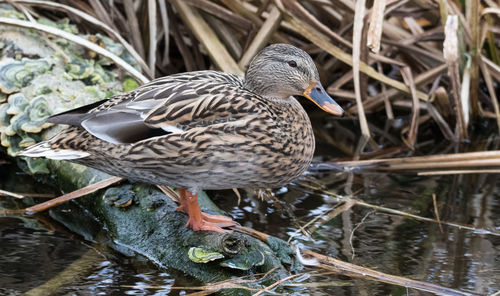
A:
<point x="202" y="130"/>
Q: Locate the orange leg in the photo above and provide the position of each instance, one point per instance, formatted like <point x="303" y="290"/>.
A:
<point x="199" y="220"/>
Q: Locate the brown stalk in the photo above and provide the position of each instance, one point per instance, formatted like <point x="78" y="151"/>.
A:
<point x="186" y="54"/>
<point x="442" y="124"/>
<point x="352" y="270"/>
<point x="420" y="79"/>
<point x="135" y="33"/>
<point x="415" y="113"/>
<point x="263" y="35"/>
<point x="102" y="13"/>
<point x="222" y="13"/>
<point x="72" y="195"/>
<point x="376" y="23"/>
<point x="226" y="34"/>
<point x="473" y="16"/>
<point x="485" y="159"/>
<point x="216" y="50"/>
<point x="387" y="103"/>
<point x="317" y="38"/>
<point x="240" y="9"/>
<point x="492" y="91"/>
<point x="436" y="212"/>
<point x="153" y="29"/>
<point x="451" y="55"/>
<point x="166" y="32"/>
<point x="356" y="56"/>
<point x="23" y="195"/>
<point x="266" y="289"/>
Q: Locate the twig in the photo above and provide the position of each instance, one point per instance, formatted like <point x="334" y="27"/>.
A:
<point x="8" y="193"/>
<point x="451" y="55"/>
<point x="351" y="236"/>
<point x="135" y="33"/>
<point x="216" y="50"/>
<point x="152" y="35"/>
<point x="492" y="92"/>
<point x="322" y="43"/>
<point x="266" y="289"/>
<point x="263" y="35"/>
<point x="23" y="195"/>
<point x="352" y="270"/>
<point x="415" y="112"/>
<point x="436" y="212"/>
<point x="72" y="195"/>
<point x="356" y="51"/>
<point x="376" y="22"/>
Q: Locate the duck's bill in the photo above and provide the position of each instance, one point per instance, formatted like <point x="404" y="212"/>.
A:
<point x="316" y="93"/>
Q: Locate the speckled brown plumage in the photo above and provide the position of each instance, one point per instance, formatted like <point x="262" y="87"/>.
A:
<point x="202" y="130"/>
<point x="236" y="143"/>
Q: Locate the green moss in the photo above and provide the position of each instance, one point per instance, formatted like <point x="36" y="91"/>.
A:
<point x="129" y="84"/>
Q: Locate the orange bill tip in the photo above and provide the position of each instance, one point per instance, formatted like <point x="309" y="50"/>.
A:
<point x="317" y="94"/>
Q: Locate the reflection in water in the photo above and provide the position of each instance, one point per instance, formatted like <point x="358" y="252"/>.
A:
<point x="455" y="258"/>
<point x="43" y="262"/>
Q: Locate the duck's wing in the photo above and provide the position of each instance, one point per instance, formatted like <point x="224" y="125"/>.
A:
<point x="174" y="103"/>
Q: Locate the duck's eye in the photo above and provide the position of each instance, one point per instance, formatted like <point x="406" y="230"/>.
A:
<point x="292" y="63"/>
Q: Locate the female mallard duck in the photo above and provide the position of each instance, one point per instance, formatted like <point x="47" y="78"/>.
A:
<point x="202" y="130"/>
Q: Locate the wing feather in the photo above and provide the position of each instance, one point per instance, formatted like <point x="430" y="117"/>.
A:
<point x="174" y="103"/>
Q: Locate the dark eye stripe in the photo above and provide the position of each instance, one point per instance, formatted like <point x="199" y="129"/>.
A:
<point x="299" y="67"/>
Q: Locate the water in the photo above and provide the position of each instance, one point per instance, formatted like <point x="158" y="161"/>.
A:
<point x="36" y="249"/>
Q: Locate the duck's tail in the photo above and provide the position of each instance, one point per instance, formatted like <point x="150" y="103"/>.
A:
<point x="43" y="149"/>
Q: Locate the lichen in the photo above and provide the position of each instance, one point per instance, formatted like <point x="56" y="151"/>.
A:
<point x="15" y="75"/>
<point x="88" y="71"/>
<point x="36" y="81"/>
<point x="203" y="255"/>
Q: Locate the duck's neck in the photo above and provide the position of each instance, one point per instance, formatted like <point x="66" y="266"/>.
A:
<point x="265" y="89"/>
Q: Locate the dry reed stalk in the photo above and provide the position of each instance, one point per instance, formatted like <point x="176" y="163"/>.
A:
<point x="72" y="195"/>
<point x="226" y="34"/>
<point x="356" y="56"/>
<point x="102" y="13"/>
<point x="207" y="37"/>
<point x="422" y="78"/>
<point x="187" y="57"/>
<point x="135" y="33"/>
<point x="415" y="112"/>
<point x="436" y="212"/>
<point x="153" y="29"/>
<point x="492" y="91"/>
<point x="472" y="13"/>
<point x="352" y="270"/>
<point x="451" y="54"/>
<point x="166" y="32"/>
<point x="321" y="42"/>
<point x="376" y="23"/>
<point x="485" y="159"/>
<point x="23" y="195"/>
<point x="261" y="39"/>
<point x="458" y="172"/>
<point x="222" y="13"/>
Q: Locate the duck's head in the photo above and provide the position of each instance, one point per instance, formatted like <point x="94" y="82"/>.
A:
<point x="282" y="70"/>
